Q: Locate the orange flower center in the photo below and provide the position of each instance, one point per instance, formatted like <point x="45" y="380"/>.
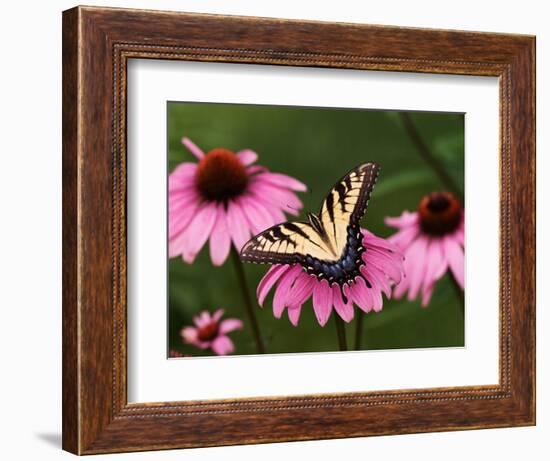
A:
<point x="221" y="175"/>
<point x="208" y="332"/>
<point x="440" y="213"/>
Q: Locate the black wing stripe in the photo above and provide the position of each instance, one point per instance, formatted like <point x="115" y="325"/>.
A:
<point x="279" y="234"/>
<point x="347" y="180"/>
<point x="341" y="189"/>
<point x="330" y="204"/>
<point x="268" y="236"/>
<point x="294" y="228"/>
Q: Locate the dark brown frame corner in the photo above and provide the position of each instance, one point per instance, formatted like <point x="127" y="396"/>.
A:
<point x="97" y="43"/>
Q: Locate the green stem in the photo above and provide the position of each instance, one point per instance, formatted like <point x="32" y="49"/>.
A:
<point x="341" y="332"/>
<point x="359" y="329"/>
<point x="424" y="151"/>
<point x="239" y="269"/>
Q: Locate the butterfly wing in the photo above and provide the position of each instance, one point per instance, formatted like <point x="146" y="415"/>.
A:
<point x="326" y="236"/>
<point x="286" y="243"/>
<point x="346" y="203"/>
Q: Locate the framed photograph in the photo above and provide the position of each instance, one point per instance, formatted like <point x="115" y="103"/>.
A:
<point x="280" y="230"/>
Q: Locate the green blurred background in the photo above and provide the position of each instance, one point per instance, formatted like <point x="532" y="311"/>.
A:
<point x="318" y="146"/>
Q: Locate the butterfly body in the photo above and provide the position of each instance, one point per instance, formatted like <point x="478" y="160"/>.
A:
<point x="344" y="269"/>
<point x="328" y="246"/>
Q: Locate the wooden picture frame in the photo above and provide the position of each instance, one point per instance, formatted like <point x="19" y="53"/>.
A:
<point x="97" y="43"/>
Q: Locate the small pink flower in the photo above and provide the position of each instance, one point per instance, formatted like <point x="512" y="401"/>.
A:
<point x="224" y="198"/>
<point x="432" y="239"/>
<point x="210" y="333"/>
<point x="382" y="267"/>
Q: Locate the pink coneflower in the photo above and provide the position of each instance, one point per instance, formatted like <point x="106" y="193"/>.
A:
<point x="432" y="239"/>
<point x="211" y="333"/>
<point x="224" y="198"/>
<point x="382" y="266"/>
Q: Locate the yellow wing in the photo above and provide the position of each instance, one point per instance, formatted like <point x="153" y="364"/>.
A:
<point x="285" y="243"/>
<point x="346" y="203"/>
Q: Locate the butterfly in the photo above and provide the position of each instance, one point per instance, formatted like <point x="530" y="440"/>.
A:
<point x="329" y="245"/>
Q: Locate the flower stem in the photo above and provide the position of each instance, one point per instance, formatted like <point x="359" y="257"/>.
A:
<point x="427" y="155"/>
<point x="239" y="269"/>
<point x="341" y="332"/>
<point x="359" y="330"/>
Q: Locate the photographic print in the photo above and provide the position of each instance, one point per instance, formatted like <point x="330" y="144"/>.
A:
<point x="310" y="229"/>
<point x="264" y="236"/>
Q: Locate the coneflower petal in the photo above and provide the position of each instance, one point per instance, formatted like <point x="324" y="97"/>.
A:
<point x="280" y="299"/>
<point x="247" y="156"/>
<point x="404" y="238"/>
<point x="435" y="268"/>
<point x="276" y="213"/>
<point x="344" y="309"/>
<point x="198" y="231"/>
<point x="228" y="325"/>
<point x="377" y="279"/>
<point x="384" y="262"/>
<point x="406" y="219"/>
<point x="361" y="296"/>
<point x="269" y="279"/>
<point x="176" y="230"/>
<point x="220" y="239"/>
<point x="182" y="177"/>
<point x="294" y="314"/>
<point x="237" y="224"/>
<point x="258" y="217"/>
<point x="379" y="243"/>
<point x="216" y="316"/>
<point x="222" y="345"/>
<point x="322" y="301"/>
<point x="455" y="258"/>
<point x="193" y="148"/>
<point x="281" y="198"/>
<point x="282" y="180"/>
<point x="301" y="290"/>
<point x="416" y="266"/>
